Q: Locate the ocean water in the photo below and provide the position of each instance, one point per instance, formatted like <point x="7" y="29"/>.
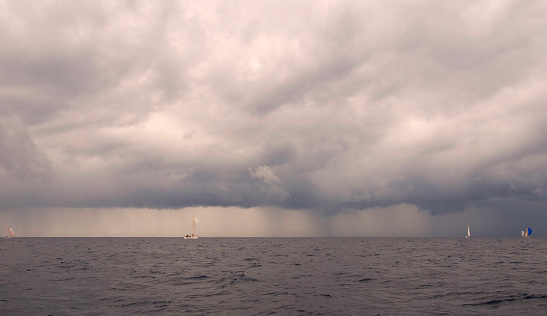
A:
<point x="261" y="276"/>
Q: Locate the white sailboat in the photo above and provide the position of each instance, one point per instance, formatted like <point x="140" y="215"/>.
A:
<point x="194" y="232"/>
<point x="468" y="232"/>
<point x="11" y="233"/>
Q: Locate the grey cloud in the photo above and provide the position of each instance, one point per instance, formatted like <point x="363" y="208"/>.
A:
<point x="294" y="89"/>
<point x="19" y="155"/>
<point x="81" y="56"/>
<point x="273" y="188"/>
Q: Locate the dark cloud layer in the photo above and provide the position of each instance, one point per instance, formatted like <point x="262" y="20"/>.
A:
<point x="331" y="106"/>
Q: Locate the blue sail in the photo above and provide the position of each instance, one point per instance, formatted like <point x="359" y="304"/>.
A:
<point x="529" y="231"/>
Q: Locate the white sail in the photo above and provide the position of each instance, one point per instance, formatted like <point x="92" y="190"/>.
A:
<point x="468" y="232"/>
<point x="194" y="231"/>
<point x="11" y="233"/>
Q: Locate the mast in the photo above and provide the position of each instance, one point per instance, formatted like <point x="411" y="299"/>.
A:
<point x="193" y="224"/>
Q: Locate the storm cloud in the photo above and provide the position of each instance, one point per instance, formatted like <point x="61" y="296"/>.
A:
<point x="331" y="107"/>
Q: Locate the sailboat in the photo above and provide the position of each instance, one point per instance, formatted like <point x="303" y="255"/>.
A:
<point x="526" y="233"/>
<point x="11" y="233"/>
<point x="468" y="232"/>
<point x="194" y="232"/>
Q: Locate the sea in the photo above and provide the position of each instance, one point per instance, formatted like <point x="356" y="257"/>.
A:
<point x="273" y="276"/>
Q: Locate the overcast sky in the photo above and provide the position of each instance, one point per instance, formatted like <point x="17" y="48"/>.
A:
<point x="273" y="118"/>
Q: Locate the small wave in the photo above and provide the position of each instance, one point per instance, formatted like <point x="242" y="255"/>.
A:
<point x="366" y="280"/>
<point x="421" y="286"/>
<point x="507" y="300"/>
<point x="276" y="293"/>
<point x="199" y="277"/>
<point x="251" y="259"/>
<point x="242" y="278"/>
<point x="147" y="303"/>
<point x="528" y="297"/>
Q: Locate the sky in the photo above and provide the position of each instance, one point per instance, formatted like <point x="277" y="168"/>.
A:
<point x="273" y="118"/>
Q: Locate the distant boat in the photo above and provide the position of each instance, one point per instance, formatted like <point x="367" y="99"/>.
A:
<point x="468" y="232"/>
<point x="11" y="233"/>
<point x="194" y="232"/>
<point x="526" y="233"/>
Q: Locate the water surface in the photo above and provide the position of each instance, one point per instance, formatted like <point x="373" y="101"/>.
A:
<point x="287" y="276"/>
